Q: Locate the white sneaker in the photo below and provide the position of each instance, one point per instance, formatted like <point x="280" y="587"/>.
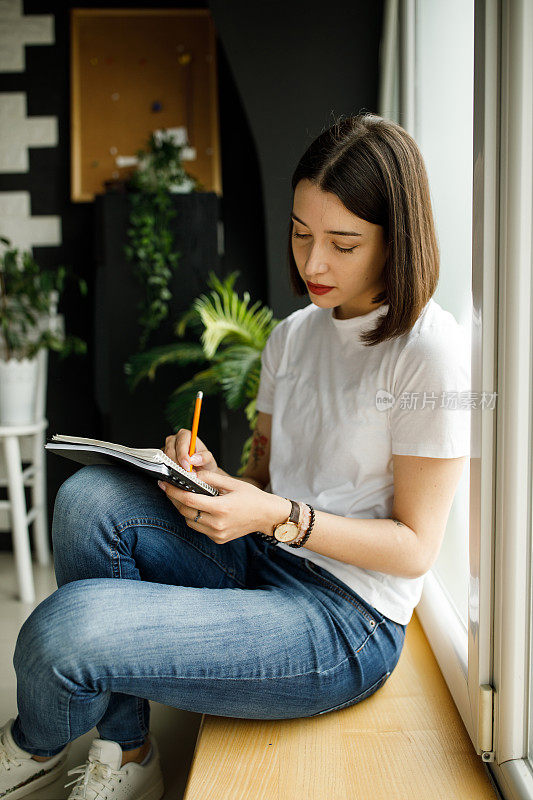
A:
<point x="20" y="774"/>
<point x="102" y="777"/>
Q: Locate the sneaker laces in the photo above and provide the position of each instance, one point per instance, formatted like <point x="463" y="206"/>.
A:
<point x="7" y="759"/>
<point x="93" y="776"/>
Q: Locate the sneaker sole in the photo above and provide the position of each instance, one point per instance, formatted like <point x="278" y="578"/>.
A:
<point x="37" y="783"/>
<point x="154" y="793"/>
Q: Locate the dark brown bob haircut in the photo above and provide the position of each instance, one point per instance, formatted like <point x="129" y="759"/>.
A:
<point x="376" y="170"/>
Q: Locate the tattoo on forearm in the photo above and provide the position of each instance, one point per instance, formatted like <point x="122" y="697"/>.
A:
<point x="397" y="521"/>
<point x="259" y="444"/>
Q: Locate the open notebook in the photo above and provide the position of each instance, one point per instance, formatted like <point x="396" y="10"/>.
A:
<point x="151" y="461"/>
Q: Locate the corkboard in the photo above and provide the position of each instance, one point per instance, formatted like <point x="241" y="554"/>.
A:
<point x="133" y="72"/>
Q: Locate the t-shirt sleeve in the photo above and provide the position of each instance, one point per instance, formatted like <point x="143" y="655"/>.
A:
<point x="270" y="360"/>
<point x="430" y="415"/>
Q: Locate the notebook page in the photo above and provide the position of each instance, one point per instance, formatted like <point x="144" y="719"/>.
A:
<point x="148" y="453"/>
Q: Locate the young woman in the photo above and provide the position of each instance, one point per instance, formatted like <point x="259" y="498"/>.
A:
<point x="287" y="595"/>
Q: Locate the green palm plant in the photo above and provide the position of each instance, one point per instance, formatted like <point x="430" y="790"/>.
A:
<point x="232" y="338"/>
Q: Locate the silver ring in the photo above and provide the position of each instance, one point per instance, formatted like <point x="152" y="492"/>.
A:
<point x="197" y="517"/>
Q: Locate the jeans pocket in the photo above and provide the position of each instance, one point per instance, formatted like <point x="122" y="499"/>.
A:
<point x="323" y="577"/>
<point x="357" y="699"/>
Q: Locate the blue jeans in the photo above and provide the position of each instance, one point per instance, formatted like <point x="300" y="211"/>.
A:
<point x="149" y="609"/>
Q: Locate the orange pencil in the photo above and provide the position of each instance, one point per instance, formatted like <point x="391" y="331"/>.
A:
<point x="195" y="421"/>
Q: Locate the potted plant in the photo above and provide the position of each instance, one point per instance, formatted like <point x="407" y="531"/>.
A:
<point x="232" y="339"/>
<point x="160" y="168"/>
<point x="28" y="322"/>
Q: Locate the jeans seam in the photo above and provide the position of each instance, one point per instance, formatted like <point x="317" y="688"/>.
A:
<point x="333" y="586"/>
<point x="134" y="741"/>
<point x="268" y="678"/>
<point x="307" y="568"/>
<point x="157" y="523"/>
<point x="358" y="697"/>
<point x="140" y="715"/>
<point x="115" y="557"/>
<point x="68" y="714"/>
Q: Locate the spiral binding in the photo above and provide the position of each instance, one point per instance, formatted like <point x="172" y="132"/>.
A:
<point x="162" y="458"/>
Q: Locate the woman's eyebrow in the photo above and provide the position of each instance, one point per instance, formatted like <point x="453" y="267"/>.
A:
<point x="336" y="233"/>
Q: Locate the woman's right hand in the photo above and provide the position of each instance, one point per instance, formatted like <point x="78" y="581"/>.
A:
<point x="177" y="448"/>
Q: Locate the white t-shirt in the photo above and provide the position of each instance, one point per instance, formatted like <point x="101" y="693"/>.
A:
<point x="331" y="446"/>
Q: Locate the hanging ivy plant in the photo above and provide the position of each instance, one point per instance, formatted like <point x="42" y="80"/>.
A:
<point x="151" y="247"/>
<point x="151" y="250"/>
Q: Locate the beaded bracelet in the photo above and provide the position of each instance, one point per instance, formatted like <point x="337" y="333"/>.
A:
<point x="266" y="537"/>
<point x="274" y="541"/>
<point x="301" y="542"/>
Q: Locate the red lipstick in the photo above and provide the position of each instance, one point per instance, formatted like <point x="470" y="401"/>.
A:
<point x="317" y="288"/>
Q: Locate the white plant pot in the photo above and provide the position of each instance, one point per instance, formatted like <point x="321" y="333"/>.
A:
<point x="18" y="391"/>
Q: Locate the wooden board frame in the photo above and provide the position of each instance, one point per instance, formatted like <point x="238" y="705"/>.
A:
<point x="86" y="129"/>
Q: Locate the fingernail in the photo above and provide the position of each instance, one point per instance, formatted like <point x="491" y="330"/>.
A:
<point x="196" y="459"/>
<point x="184" y="463"/>
<point x="161" y="485"/>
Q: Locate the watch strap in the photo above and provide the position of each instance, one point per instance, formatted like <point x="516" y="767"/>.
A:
<point x="294" y="516"/>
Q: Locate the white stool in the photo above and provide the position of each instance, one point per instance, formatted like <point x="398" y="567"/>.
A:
<point x="18" y="442"/>
<point x="35" y="476"/>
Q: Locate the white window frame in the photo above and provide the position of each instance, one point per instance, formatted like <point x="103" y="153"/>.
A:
<point x="488" y="670"/>
<point x="512" y="568"/>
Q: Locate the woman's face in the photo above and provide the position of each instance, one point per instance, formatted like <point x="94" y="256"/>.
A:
<point x="333" y="247"/>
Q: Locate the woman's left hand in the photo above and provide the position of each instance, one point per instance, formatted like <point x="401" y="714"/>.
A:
<point x="239" y="509"/>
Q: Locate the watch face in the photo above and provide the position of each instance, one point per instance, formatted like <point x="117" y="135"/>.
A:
<point x="286" y="532"/>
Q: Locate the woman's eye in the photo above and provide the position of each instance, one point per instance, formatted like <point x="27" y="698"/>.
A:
<point x="344" y="250"/>
<point x="339" y="249"/>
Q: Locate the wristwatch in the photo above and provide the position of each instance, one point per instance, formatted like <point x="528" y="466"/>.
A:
<point x="288" y="531"/>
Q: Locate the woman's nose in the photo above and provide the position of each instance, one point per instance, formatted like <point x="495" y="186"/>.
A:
<point x="312" y="273"/>
<point x="315" y="263"/>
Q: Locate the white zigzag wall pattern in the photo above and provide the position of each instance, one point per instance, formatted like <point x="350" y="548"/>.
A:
<point x="16" y="31"/>
<point x="17" y="224"/>
<point x="18" y="132"/>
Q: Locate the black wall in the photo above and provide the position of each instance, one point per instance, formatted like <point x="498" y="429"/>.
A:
<point x="296" y="65"/>
<point x="284" y="71"/>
